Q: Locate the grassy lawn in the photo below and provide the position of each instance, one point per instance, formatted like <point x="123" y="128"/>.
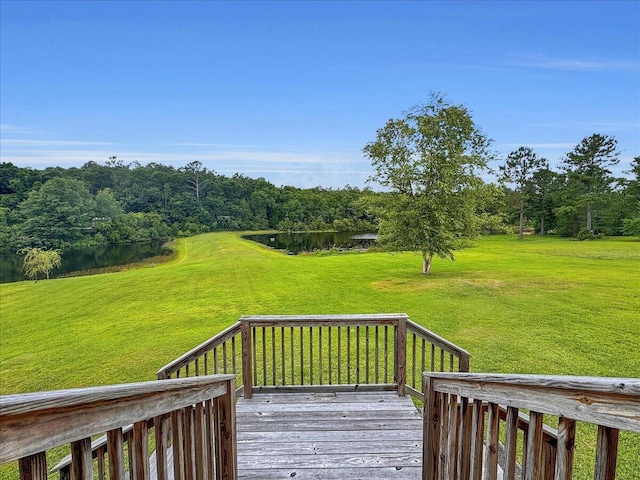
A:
<point x="542" y="305"/>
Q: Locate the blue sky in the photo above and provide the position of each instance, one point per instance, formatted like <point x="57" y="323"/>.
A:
<point x="292" y="91"/>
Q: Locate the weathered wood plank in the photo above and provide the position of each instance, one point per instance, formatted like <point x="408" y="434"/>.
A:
<point x="33" y="467"/>
<point x="396" y="473"/>
<point x="35" y="422"/>
<point x="379" y="460"/>
<point x="606" y="453"/>
<point x="611" y="402"/>
<point x="334" y="438"/>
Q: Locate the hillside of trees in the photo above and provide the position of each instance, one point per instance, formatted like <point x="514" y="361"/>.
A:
<point x="121" y="203"/>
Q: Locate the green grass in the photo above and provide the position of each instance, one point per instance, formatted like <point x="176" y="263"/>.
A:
<point x="542" y="305"/>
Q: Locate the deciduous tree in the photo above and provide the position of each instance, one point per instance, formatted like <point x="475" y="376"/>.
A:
<point x="40" y="261"/>
<point x="430" y="160"/>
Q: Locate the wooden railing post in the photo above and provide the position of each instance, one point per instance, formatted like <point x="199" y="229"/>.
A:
<point x="401" y="355"/>
<point x="247" y="376"/>
<point x="225" y="434"/>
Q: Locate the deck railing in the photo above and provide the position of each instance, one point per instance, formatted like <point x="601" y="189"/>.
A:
<point x="323" y="352"/>
<point x="194" y="417"/>
<point x="458" y="405"/>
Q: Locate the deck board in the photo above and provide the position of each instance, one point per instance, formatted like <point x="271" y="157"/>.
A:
<point x="343" y="435"/>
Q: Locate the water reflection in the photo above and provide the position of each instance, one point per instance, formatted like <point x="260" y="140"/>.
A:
<point x="295" y="243"/>
<point x="85" y="258"/>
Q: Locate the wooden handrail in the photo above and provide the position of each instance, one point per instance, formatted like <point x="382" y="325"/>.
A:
<point x="322" y="352"/>
<point x="206" y="346"/>
<point x="32" y="423"/>
<point x="454" y="422"/>
<point x="323" y="320"/>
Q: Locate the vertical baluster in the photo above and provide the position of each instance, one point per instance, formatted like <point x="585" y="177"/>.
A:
<point x="100" y="453"/>
<point x="273" y="354"/>
<point x="451" y="362"/>
<point x="255" y="354"/>
<point x="348" y="354"/>
<point x="443" y="468"/>
<point x="215" y="360"/>
<point x="386" y="354"/>
<point x="413" y="361"/>
<point x="441" y="360"/>
<point x="247" y="358"/>
<point x="177" y="431"/>
<point x="81" y="460"/>
<point x="160" y="430"/>
<point x="606" y="453"/>
<point x="188" y="437"/>
<point x="115" y="450"/>
<point x="206" y="363"/>
<point x="264" y="356"/>
<point x="564" y="453"/>
<point x="366" y="334"/>
<point x="199" y="440"/>
<point x="301" y="356"/>
<point x="282" y="356"/>
<point x="422" y="359"/>
<point x="33" y="467"/>
<point x="358" y="354"/>
<point x="310" y="355"/>
<point x="464" y="436"/>
<point x="128" y="439"/>
<point x="186" y="370"/>
<point x="477" y="436"/>
<point x="291" y="341"/>
<point x="493" y="425"/>
<point x="340" y="354"/>
<point x="197" y="367"/>
<point x="431" y="429"/>
<point x="330" y="354"/>
<point x="210" y="438"/>
<point x="233" y="354"/>
<point x="377" y="359"/>
<point x="511" y="443"/>
<point x="140" y="451"/>
<point x="224" y="357"/>
<point x="452" y="438"/>
<point x="320" y="353"/>
<point x="532" y="468"/>
<point x="433" y="357"/>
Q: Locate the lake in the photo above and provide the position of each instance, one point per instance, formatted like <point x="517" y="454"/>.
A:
<point x="294" y="243"/>
<point x="85" y="258"/>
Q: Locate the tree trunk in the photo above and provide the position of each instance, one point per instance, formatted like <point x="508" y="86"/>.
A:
<point x="521" y="231"/>
<point x="426" y="262"/>
<point x="589" y="217"/>
<point x="542" y="225"/>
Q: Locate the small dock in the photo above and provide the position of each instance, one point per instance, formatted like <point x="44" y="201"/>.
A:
<point x="376" y="435"/>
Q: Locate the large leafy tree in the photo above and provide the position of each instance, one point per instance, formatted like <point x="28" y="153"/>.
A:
<point x="57" y="214"/>
<point x="589" y="177"/>
<point x="519" y="169"/>
<point x="430" y="160"/>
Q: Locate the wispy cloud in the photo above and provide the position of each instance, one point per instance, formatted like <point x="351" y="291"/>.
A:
<point x="18" y="142"/>
<point x="303" y="169"/>
<point x="576" y="64"/>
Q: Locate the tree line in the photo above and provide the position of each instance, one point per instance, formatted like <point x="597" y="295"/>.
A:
<point x="118" y="202"/>
<point x="413" y="159"/>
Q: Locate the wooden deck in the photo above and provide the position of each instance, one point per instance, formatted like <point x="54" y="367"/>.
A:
<point x="330" y="436"/>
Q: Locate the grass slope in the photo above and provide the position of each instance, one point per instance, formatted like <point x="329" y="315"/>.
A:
<point x="542" y="305"/>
